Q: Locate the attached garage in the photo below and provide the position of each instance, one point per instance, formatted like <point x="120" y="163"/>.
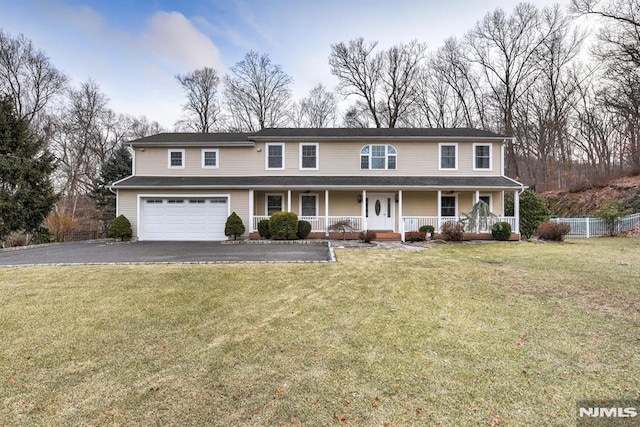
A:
<point x="183" y="218"/>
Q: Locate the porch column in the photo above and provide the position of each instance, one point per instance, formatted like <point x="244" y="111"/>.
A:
<point x="516" y="211"/>
<point x="438" y="224"/>
<point x="400" y="220"/>
<point x="477" y="196"/>
<point x="326" y="212"/>
<point x="363" y="210"/>
<point x="251" y="226"/>
<point x="477" y="222"/>
<point x="288" y="200"/>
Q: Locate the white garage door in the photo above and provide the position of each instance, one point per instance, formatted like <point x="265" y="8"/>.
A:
<point x="184" y="218"/>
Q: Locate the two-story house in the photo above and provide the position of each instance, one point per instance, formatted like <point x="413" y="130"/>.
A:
<point x="185" y="185"/>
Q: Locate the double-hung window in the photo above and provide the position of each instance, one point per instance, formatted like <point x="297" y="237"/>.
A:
<point x="309" y="156"/>
<point x="378" y="157"/>
<point x="176" y="159"/>
<point x="210" y="158"/>
<point x="448" y="156"/>
<point x="448" y="205"/>
<point x="275" y="156"/>
<point x="275" y="203"/>
<point x="308" y="205"/>
<point x="481" y="156"/>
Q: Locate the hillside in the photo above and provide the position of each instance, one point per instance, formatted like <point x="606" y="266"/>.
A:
<point x="584" y="202"/>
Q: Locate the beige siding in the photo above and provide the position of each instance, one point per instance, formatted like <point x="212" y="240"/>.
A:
<point x="334" y="158"/>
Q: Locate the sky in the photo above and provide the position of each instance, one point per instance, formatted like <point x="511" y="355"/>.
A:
<point x="134" y="49"/>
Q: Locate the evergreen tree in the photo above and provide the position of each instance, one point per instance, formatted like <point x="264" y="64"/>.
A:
<point x="118" y="166"/>
<point x="26" y="191"/>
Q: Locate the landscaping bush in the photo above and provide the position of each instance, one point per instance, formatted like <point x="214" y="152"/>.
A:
<point x="283" y="226"/>
<point x="121" y="228"/>
<point x="304" y="229"/>
<point x="343" y="227"/>
<point x="553" y="231"/>
<point x="41" y="236"/>
<point x="428" y="230"/>
<point x="263" y="229"/>
<point x="415" y="236"/>
<point x="234" y="226"/>
<point x="453" y="231"/>
<point x="367" y="236"/>
<point x="533" y="212"/>
<point x="610" y="211"/>
<point x="501" y="231"/>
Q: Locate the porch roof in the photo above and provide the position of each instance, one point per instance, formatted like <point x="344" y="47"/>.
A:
<point x="321" y="182"/>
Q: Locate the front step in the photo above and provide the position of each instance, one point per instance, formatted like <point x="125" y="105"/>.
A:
<point x="387" y="236"/>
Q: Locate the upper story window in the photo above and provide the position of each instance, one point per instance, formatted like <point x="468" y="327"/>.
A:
<point x="210" y="158"/>
<point x="309" y="156"/>
<point x="448" y="156"/>
<point x="275" y="156"/>
<point x="378" y="157"/>
<point x="481" y="156"/>
<point x="176" y="159"/>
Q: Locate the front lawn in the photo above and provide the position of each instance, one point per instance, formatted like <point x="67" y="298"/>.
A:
<point x="488" y="334"/>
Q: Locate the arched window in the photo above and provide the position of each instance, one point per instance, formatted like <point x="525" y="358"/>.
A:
<point x="378" y="157"/>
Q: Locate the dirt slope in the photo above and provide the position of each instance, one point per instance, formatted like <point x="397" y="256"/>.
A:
<point x="585" y="202"/>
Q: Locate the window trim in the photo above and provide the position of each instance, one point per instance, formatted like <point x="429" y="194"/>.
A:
<point x="308" y="195"/>
<point x="315" y="144"/>
<point x="266" y="155"/>
<point x="266" y="202"/>
<point x="182" y="152"/>
<point x="481" y="144"/>
<point x="387" y="155"/>
<point x="210" y="150"/>
<point x="447" y="144"/>
<point x="455" y="196"/>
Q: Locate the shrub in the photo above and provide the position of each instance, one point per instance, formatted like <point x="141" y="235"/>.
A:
<point x="533" y="212"/>
<point x="41" y="236"/>
<point x="283" y="226"/>
<point x="121" y="228"/>
<point x="304" y="229"/>
<point x="553" y="231"/>
<point x="501" y="231"/>
<point x="610" y="211"/>
<point x="367" y="236"/>
<point x="234" y="226"/>
<point x="263" y="229"/>
<point x="415" y="236"/>
<point x="343" y="227"/>
<point x="428" y="230"/>
<point x="453" y="231"/>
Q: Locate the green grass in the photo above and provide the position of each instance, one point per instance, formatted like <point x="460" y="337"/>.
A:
<point x="490" y="334"/>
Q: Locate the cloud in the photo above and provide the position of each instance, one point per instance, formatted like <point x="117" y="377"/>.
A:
<point x="175" y="39"/>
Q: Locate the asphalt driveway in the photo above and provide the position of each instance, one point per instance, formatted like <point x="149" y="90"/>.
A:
<point x="164" y="252"/>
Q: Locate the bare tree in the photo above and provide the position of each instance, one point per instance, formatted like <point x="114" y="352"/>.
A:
<point x="318" y="110"/>
<point x="505" y="48"/>
<point x="619" y="51"/>
<point x="386" y="82"/>
<point x="202" y="108"/>
<point x="27" y="76"/>
<point x="257" y="93"/>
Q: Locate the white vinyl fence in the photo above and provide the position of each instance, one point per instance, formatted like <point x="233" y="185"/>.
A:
<point x="596" y="227"/>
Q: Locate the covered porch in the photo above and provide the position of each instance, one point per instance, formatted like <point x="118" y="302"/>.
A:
<point x="392" y="213"/>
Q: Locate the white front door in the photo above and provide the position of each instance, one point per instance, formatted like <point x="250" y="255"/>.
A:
<point x="380" y="211"/>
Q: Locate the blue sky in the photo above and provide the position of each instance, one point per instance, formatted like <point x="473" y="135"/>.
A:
<point x="134" y="49"/>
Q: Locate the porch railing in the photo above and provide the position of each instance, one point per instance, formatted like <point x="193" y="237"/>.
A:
<point x="319" y="223"/>
<point x="413" y="223"/>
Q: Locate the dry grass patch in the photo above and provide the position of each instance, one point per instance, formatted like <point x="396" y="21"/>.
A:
<point x="383" y="337"/>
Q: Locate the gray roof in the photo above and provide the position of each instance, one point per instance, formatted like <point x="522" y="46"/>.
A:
<point x="321" y="182"/>
<point x="195" y="139"/>
<point x="271" y="133"/>
<point x="223" y="139"/>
